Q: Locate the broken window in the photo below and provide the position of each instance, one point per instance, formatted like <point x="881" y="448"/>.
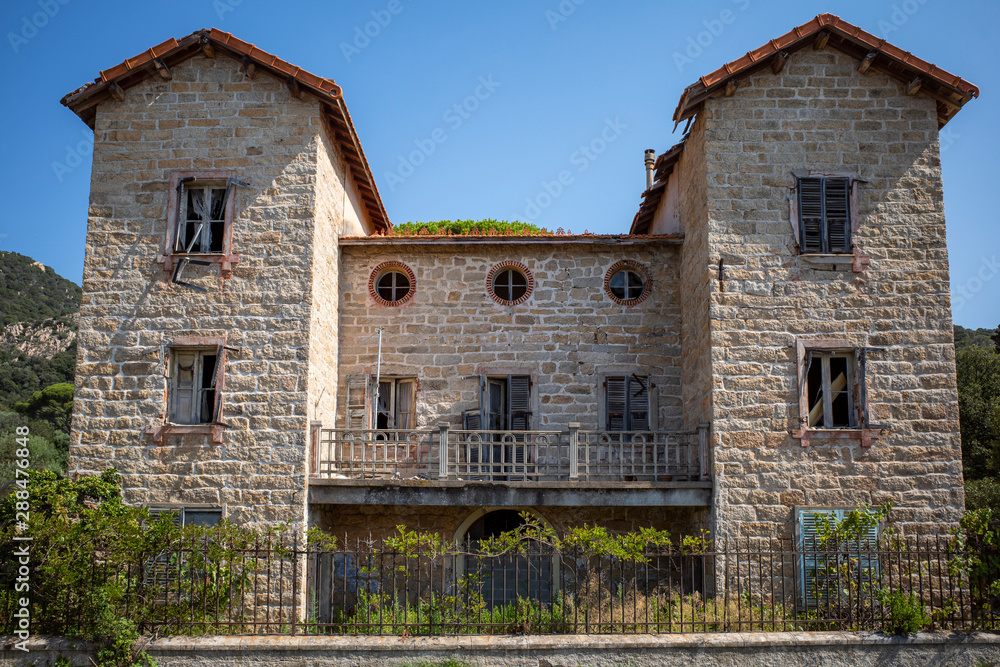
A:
<point x="824" y="215"/>
<point x="396" y="407"/>
<point x="201" y="218"/>
<point x="830" y="385"/>
<point x="195" y="395"/>
<point x="626" y="403"/>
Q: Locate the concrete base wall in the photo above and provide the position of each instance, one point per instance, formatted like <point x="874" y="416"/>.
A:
<point x="734" y="649"/>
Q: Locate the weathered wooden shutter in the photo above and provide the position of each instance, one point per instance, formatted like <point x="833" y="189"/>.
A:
<point x="519" y="387"/>
<point x="638" y="404"/>
<point x="218" y="381"/>
<point x="836" y="198"/>
<point x="811" y="214"/>
<point x="819" y="571"/>
<point x="616" y="402"/>
<point x="472" y="420"/>
<point x="183" y="387"/>
<point x="357" y="401"/>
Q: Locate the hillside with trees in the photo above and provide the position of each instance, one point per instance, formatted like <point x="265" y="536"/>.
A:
<point x="977" y="357"/>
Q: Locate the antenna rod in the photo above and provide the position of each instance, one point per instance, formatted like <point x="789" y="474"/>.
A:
<point x="378" y="378"/>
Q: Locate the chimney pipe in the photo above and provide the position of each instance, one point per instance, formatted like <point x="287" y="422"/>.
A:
<point x="650" y="161"/>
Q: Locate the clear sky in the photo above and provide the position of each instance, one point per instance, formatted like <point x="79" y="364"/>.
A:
<point x="534" y="81"/>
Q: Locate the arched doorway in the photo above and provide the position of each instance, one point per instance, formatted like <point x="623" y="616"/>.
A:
<point x="502" y="579"/>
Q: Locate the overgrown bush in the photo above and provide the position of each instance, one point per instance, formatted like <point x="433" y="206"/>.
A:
<point x="906" y="613"/>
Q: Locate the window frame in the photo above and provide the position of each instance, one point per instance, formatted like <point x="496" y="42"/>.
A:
<point x="628" y="415"/>
<point x="200" y="178"/>
<point x="815" y="558"/>
<point x="515" y="266"/>
<point x="853" y="218"/>
<point x="861" y="428"/>
<point x="634" y="267"/>
<point x="217" y="425"/>
<point x="155" y="511"/>
<point x="396" y="381"/>
<point x="382" y="269"/>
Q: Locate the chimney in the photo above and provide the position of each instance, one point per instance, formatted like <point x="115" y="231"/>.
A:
<point x="650" y="161"/>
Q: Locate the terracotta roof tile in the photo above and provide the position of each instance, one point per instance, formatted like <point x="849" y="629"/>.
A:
<point x="83" y="100"/>
<point x="950" y="90"/>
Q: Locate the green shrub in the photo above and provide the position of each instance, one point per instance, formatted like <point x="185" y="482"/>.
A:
<point x="906" y="613"/>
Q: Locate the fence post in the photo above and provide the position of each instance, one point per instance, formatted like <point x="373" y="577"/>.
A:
<point x="443" y="450"/>
<point x="703" y="462"/>
<point x="315" y="428"/>
<point x="574" y="451"/>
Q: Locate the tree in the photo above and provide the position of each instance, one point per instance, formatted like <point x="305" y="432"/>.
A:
<point x="979" y="407"/>
<point x="53" y="404"/>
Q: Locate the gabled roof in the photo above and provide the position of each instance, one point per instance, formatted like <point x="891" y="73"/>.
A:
<point x="825" y="31"/>
<point x="158" y="60"/>
<point x="829" y="31"/>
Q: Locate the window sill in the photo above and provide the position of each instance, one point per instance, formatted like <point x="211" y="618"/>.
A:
<point x="836" y="261"/>
<point x="224" y="260"/>
<point x="867" y="436"/>
<point x="215" y="430"/>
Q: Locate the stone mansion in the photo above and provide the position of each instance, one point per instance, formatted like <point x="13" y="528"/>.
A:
<point x="772" y="335"/>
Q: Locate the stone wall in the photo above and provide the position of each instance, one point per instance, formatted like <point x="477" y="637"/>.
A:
<point x="565" y="334"/>
<point x="821" y="114"/>
<point x="734" y="649"/>
<point x="209" y="116"/>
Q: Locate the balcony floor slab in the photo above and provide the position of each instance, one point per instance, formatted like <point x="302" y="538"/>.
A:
<point x="509" y="494"/>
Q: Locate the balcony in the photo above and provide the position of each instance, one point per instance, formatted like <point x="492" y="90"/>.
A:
<point x="443" y="466"/>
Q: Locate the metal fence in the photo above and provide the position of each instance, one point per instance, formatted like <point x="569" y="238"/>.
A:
<point x="280" y="586"/>
<point x="513" y="456"/>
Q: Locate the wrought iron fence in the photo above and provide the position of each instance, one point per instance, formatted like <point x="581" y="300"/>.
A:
<point x="280" y="586"/>
<point x="522" y="456"/>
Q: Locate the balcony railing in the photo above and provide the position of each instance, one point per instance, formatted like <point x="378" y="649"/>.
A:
<point x="511" y="456"/>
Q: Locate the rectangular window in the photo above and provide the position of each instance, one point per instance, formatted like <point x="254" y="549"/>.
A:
<point x="626" y="403"/>
<point x="195" y="390"/>
<point x="396" y="407"/>
<point x="200" y="211"/>
<point x="202" y="220"/>
<point x="506" y="403"/>
<point x="825" y="567"/>
<point x="830" y="383"/>
<point x="189" y="516"/>
<point x="824" y="206"/>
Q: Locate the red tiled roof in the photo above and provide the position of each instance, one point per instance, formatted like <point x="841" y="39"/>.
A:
<point x="950" y="91"/>
<point x="84" y="100"/>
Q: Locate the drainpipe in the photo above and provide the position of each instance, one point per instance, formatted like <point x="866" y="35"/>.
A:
<point x="650" y="161"/>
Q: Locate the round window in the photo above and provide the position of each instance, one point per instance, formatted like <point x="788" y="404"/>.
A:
<point x="509" y="283"/>
<point x="391" y="284"/>
<point x="626" y="283"/>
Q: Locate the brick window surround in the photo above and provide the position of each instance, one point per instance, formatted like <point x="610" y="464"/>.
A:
<point x="634" y="267"/>
<point x="515" y="266"/>
<point x="381" y="270"/>
<point x="225" y="259"/>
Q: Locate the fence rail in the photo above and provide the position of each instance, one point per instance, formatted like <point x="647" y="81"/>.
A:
<point x="278" y="586"/>
<point x="511" y="456"/>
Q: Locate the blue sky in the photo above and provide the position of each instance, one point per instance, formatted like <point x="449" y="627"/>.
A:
<point x="534" y="82"/>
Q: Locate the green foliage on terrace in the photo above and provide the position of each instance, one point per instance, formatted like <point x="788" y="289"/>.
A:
<point x="487" y="227"/>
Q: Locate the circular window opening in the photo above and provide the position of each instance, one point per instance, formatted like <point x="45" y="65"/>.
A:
<point x="626" y="283"/>
<point x="510" y="285"/>
<point x="393" y="286"/>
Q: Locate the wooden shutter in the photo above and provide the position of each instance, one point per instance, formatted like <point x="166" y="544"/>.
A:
<point x="218" y="380"/>
<point x="616" y="402"/>
<point x="519" y="404"/>
<point x="811" y="214"/>
<point x="638" y="404"/>
<point x="836" y="197"/>
<point x="472" y="420"/>
<point x="815" y="586"/>
<point x="183" y="386"/>
<point x="357" y="401"/>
